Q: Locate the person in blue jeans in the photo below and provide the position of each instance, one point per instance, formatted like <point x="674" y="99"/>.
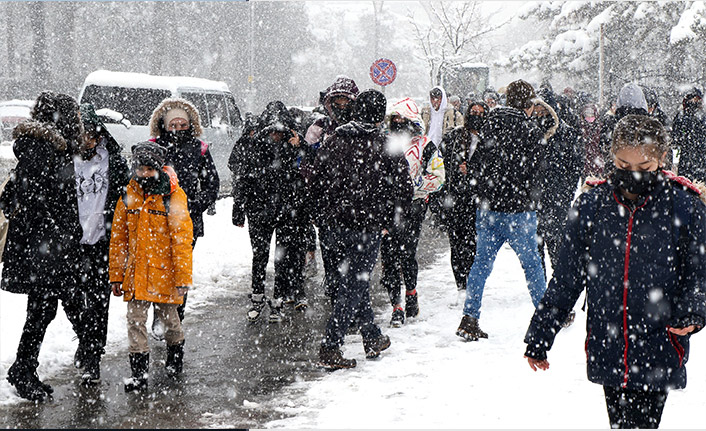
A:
<point x="354" y="191"/>
<point x="508" y="190"/>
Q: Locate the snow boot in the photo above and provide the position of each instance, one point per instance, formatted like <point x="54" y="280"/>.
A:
<point x="91" y="368"/>
<point x="375" y="346"/>
<point x="258" y="303"/>
<point x="157" y="328"/>
<point x="331" y="358"/>
<point x="139" y="364"/>
<point x="27" y="383"/>
<point x="175" y="359"/>
<point x="411" y="303"/>
<point x="569" y="319"/>
<point x="275" y="310"/>
<point x="397" y="317"/>
<point x="469" y="329"/>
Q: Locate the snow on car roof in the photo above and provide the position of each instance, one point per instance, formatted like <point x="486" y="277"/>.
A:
<point x="143" y="80"/>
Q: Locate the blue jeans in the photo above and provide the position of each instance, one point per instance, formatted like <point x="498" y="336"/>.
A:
<point x="494" y="229"/>
<point x="353" y="254"/>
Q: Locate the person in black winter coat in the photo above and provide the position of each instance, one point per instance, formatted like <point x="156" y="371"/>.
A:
<point x="635" y="244"/>
<point x="354" y="189"/>
<point x="689" y="136"/>
<point x="460" y="205"/>
<point x="508" y="189"/>
<point x="631" y="100"/>
<point x="653" y="107"/>
<point x="102" y="174"/>
<point x="41" y="257"/>
<point x="272" y="193"/>
<point x="176" y="125"/>
<point x="560" y="172"/>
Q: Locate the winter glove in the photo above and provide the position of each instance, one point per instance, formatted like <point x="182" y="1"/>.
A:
<point x="238" y="216"/>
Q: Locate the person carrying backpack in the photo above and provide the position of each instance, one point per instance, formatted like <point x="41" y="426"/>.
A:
<point x="634" y="243"/>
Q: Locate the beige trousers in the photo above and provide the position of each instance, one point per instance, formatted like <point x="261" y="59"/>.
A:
<point x="137" y="320"/>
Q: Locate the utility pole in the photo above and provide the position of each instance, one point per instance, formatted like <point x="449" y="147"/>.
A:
<point x="377" y="4"/>
<point x="601" y="70"/>
<point x="251" y="78"/>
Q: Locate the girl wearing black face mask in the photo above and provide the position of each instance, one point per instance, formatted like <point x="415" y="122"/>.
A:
<point x="632" y="243"/>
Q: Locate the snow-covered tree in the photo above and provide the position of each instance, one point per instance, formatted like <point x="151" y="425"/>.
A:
<point x="660" y="44"/>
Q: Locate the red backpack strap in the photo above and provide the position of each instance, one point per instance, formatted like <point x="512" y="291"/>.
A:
<point x="204" y="148"/>
<point x="152" y="139"/>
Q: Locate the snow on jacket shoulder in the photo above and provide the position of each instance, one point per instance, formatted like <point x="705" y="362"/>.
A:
<point x="643" y="270"/>
<point x="150" y="245"/>
<point x="355" y="182"/>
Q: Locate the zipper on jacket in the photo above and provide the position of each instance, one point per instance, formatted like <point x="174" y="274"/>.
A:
<point x="626" y="272"/>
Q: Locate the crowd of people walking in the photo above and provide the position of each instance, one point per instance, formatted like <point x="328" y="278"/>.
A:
<point x="362" y="174"/>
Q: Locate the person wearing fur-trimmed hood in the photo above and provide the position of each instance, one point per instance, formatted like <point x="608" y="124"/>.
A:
<point x="176" y="126"/>
<point x="41" y="256"/>
<point x="634" y="243"/>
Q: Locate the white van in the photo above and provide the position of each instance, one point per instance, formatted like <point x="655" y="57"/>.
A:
<point x="136" y="95"/>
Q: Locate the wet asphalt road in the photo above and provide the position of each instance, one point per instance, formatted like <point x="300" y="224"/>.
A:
<point x="228" y="363"/>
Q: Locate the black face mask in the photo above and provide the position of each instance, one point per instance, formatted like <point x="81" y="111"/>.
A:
<point x="342" y="115"/>
<point x="475" y="122"/>
<point x="179" y="136"/>
<point x="637" y="183"/>
<point x="147" y="183"/>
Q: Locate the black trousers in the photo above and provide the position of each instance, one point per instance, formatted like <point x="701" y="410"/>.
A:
<point x="461" y="224"/>
<point x="289" y="257"/>
<point x="634" y="408"/>
<point x="398" y="252"/>
<point x="94" y="290"/>
<point x="41" y="310"/>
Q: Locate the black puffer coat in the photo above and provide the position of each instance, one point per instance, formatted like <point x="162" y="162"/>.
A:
<point x="355" y="183"/>
<point x="509" y="158"/>
<point x="271" y="187"/>
<point x="689" y="135"/>
<point x="39" y="200"/>
<point x="643" y="268"/>
<point x="197" y="176"/>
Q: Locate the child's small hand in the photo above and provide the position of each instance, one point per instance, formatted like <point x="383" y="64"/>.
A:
<point x="181" y="291"/>
<point x="682" y="331"/>
<point x="117" y="289"/>
<point x="535" y="363"/>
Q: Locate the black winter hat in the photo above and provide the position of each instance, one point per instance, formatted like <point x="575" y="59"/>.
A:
<point x="370" y="107"/>
<point x="91" y="121"/>
<point x="149" y="154"/>
<point x="276" y="118"/>
<point x="60" y="110"/>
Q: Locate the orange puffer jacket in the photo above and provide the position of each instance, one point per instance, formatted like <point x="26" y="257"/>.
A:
<point x="150" y="246"/>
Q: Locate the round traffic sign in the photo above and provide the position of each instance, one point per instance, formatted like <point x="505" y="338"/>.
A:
<point x="383" y="71"/>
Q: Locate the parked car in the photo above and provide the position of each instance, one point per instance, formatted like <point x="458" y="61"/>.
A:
<point x="131" y="98"/>
<point x="12" y="113"/>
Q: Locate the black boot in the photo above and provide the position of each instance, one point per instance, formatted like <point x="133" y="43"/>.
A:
<point x="26" y="381"/>
<point x="469" y="329"/>
<point x="175" y="359"/>
<point x="374" y="346"/>
<point x="140" y="364"/>
<point x="91" y="367"/>
<point x="331" y="358"/>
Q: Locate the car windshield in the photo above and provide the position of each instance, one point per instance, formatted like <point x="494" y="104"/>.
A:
<point x="136" y="104"/>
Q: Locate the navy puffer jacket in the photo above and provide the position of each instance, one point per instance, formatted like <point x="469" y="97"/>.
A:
<point x="643" y="267"/>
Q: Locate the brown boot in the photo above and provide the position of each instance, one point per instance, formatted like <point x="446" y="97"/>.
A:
<point x="331" y="358"/>
<point x="469" y="329"/>
<point x="375" y="346"/>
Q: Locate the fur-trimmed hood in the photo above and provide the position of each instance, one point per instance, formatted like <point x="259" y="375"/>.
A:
<point x="36" y="130"/>
<point x="172" y="103"/>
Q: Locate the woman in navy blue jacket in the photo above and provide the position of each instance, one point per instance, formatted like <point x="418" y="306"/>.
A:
<point x="636" y="244"/>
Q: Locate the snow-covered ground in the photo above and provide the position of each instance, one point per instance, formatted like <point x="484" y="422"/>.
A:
<point x="429" y="378"/>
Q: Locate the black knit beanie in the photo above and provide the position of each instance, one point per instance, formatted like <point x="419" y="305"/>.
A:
<point x="369" y="107"/>
<point x="148" y="154"/>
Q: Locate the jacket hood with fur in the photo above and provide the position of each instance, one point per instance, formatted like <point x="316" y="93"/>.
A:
<point x="172" y="103"/>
